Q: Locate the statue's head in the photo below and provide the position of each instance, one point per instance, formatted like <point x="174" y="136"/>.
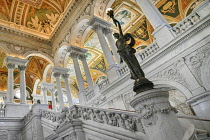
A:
<point x="116" y="35"/>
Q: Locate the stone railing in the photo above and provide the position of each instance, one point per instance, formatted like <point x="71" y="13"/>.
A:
<point x="185" y="24"/>
<point x="123" y="70"/>
<point x="2" y="112"/>
<point x="122" y="119"/>
<point x="27" y="117"/>
<point x="89" y="95"/>
<point x="103" y="84"/>
<point x="148" y="51"/>
<point x="49" y="115"/>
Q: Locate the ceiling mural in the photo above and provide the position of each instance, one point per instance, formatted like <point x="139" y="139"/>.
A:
<point x="33" y="16"/>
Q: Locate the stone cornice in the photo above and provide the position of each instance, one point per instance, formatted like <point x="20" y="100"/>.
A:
<point x="16" y="61"/>
<point x="59" y="70"/>
<point x="23" y="34"/>
<point x="98" y="21"/>
<point x="149" y="94"/>
<point x="47" y="85"/>
<point x="75" y="49"/>
<point x="197" y="98"/>
<point x="65" y="19"/>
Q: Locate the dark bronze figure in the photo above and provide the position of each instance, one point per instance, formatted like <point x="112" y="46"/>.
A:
<point x="126" y="51"/>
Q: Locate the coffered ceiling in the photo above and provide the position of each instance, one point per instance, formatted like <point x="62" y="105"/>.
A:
<point x="37" y="17"/>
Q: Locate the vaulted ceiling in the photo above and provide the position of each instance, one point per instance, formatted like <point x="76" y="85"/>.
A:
<point x="39" y="17"/>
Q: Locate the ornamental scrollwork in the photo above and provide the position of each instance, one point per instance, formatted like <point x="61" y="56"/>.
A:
<point x="113" y="118"/>
<point x="148" y="113"/>
<point x="195" y="60"/>
<point x="4" y="134"/>
<point x="172" y="73"/>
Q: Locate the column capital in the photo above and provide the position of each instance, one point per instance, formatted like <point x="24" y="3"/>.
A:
<point x="51" y="90"/>
<point x="10" y="66"/>
<point x="56" y="74"/>
<point x="59" y="69"/>
<point x="65" y="76"/>
<point x="97" y="27"/>
<point x="21" y="67"/>
<point x="82" y="57"/>
<point x="15" y="60"/>
<point x="98" y="21"/>
<point x="43" y="89"/>
<point x="73" y="55"/>
<point x="76" y="51"/>
<point x="107" y="31"/>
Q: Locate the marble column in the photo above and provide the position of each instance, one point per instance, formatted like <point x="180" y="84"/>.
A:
<point x="87" y="71"/>
<point x="59" y="90"/>
<point x="44" y="93"/>
<point x="104" y="45"/>
<point x="98" y="25"/>
<point x="51" y="90"/>
<point x="82" y="90"/>
<point x="10" y="83"/>
<point x="159" y="23"/>
<point x="108" y="33"/>
<point x="22" y="69"/>
<point x="68" y="91"/>
<point x="80" y="81"/>
<point x="157" y="115"/>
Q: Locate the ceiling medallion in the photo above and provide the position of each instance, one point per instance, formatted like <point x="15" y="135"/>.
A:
<point x="34" y="3"/>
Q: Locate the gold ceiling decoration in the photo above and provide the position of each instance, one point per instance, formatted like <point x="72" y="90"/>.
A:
<point x="37" y="17"/>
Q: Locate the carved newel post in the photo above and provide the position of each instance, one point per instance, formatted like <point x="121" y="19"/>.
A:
<point x="157" y="115"/>
<point x="155" y="112"/>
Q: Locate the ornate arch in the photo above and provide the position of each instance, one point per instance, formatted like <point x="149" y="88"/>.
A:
<point x="79" y="29"/>
<point x="60" y="56"/>
<point x="100" y="8"/>
<point x="173" y="84"/>
<point x="45" y="72"/>
<point x="39" y="54"/>
<point x="35" y="86"/>
<point x="5" y="49"/>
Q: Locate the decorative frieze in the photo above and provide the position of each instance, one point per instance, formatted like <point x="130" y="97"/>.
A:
<point x="172" y="73"/>
<point x="115" y="118"/>
<point x="20" y="50"/>
<point x="195" y="60"/>
<point x="148" y="112"/>
<point x="4" y="134"/>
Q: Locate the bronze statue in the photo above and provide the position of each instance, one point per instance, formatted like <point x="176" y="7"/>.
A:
<point x="126" y="51"/>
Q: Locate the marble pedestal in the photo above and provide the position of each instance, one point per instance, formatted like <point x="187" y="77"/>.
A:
<point x="16" y="110"/>
<point x="157" y="115"/>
